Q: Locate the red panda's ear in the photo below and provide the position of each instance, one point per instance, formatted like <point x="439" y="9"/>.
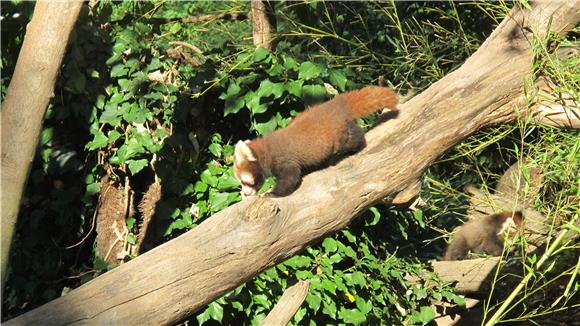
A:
<point x="243" y="152"/>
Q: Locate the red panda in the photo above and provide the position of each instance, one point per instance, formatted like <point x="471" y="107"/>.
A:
<point x="314" y="136"/>
<point x="483" y="236"/>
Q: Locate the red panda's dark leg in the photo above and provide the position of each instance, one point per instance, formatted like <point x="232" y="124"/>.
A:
<point x="457" y="249"/>
<point x="287" y="179"/>
<point x="354" y="139"/>
<point x="493" y="247"/>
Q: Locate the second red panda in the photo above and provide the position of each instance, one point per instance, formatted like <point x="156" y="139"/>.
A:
<point x="483" y="236"/>
<point x="314" y="136"/>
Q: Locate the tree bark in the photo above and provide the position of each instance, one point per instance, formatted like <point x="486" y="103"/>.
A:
<point x="263" y="23"/>
<point x="27" y="97"/>
<point x="171" y="282"/>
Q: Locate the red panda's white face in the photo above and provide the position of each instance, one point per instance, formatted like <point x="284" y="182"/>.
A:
<point x="247" y="169"/>
<point x="510" y="223"/>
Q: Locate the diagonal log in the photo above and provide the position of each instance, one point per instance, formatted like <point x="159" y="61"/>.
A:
<point x="171" y="282"/>
<point x="27" y="97"/>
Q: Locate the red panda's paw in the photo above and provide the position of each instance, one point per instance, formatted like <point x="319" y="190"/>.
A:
<point x="244" y="197"/>
<point x="268" y="194"/>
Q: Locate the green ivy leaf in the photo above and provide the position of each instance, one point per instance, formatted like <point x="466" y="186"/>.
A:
<point x="349" y="252"/>
<point x="309" y="70"/>
<point x="265" y="127"/>
<point x="116" y="98"/>
<point x="125" y="84"/>
<point x="329" y="286"/>
<point x="144" y="138"/>
<point x="313" y="94"/>
<point x="137" y="165"/>
<point x="237" y="305"/>
<point x="418" y="215"/>
<point x="200" y="187"/>
<point x="313" y="300"/>
<point x="208" y="178"/>
<point x="295" y="87"/>
<point x="204" y="316"/>
<point x="275" y="70"/>
<point x="227" y="182"/>
<point x="376" y="217"/>
<point x="93" y="189"/>
<point x="349" y="236"/>
<point x="262" y="300"/>
<point x="252" y="100"/>
<point x="338" y="79"/>
<point x="289" y="63"/>
<point x="131" y="222"/>
<point x="247" y="78"/>
<point x="215" y="149"/>
<point x="268" y="88"/>
<point x="233" y="105"/>
<point x="128" y="150"/>
<point x="111" y="115"/>
<point x="353" y="316"/>
<point x="329" y="308"/>
<point x="358" y="278"/>
<point x="426" y="315"/>
<point x="114" y="135"/>
<point x="99" y="141"/>
<point x="100" y="101"/>
<point x="118" y="71"/>
<point x="299" y="315"/>
<point x="233" y="90"/>
<point x="261" y="54"/>
<point x="298" y="261"/>
<point x="336" y="258"/>
<point x="303" y="275"/>
<point x="135" y="114"/>
<point x="216" y="311"/>
<point x="329" y="245"/>
<point x="222" y="200"/>
<point x="364" y="306"/>
<point x="459" y="300"/>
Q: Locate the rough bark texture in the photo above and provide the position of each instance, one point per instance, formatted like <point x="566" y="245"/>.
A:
<point x="173" y="281"/>
<point x="111" y="230"/>
<point x="262" y="23"/>
<point x="289" y="303"/>
<point x="27" y="97"/>
<point x="471" y="275"/>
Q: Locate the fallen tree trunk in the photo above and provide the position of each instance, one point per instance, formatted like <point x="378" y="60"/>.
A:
<point x="27" y="97"/>
<point x="171" y="282"/>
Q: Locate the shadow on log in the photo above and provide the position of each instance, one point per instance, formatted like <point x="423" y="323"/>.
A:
<point x="172" y="281"/>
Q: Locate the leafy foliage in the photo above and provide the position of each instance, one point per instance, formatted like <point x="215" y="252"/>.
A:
<point x="132" y="104"/>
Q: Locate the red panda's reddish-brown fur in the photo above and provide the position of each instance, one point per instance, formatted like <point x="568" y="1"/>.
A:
<point x="368" y="100"/>
<point x="314" y="136"/>
<point x="483" y="236"/>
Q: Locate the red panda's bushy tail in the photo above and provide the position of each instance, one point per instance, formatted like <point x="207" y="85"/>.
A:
<point x="365" y="101"/>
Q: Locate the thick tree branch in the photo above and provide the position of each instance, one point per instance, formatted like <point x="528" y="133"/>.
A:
<point x="263" y="23"/>
<point x="289" y="303"/>
<point x="171" y="282"/>
<point x="27" y="97"/>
